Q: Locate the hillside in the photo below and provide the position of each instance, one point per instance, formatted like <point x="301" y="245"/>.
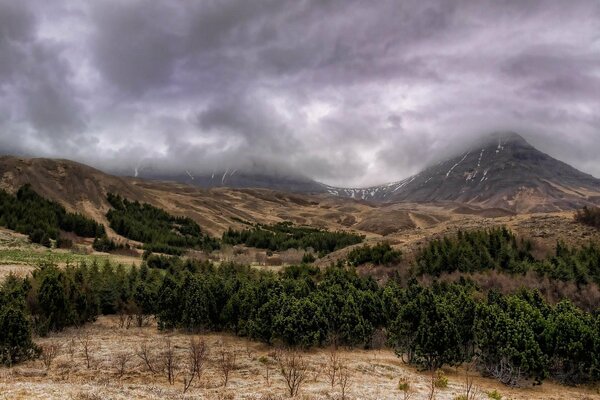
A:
<point x="503" y="171"/>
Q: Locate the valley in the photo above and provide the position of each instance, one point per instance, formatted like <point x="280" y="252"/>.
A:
<point x="206" y="247"/>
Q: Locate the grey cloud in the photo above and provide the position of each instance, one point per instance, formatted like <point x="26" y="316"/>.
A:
<point x="351" y="92"/>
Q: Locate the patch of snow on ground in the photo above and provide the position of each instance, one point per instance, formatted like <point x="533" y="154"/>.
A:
<point x="456" y="165"/>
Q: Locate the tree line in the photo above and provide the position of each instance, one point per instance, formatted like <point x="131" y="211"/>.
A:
<point x="499" y="249"/>
<point x="42" y="220"/>
<point x="515" y="338"/>
<point x="285" y="235"/>
<point x="159" y="231"/>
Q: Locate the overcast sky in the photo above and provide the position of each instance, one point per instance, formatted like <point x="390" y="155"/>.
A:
<point x="347" y="92"/>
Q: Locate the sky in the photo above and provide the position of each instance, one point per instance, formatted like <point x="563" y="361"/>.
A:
<point x="350" y="93"/>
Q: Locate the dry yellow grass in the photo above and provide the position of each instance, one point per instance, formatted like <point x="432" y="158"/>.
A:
<point x="373" y="374"/>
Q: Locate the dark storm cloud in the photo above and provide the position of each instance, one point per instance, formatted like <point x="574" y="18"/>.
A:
<point x="350" y="92"/>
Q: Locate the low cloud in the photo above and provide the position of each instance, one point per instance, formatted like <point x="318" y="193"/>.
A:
<point x="347" y="92"/>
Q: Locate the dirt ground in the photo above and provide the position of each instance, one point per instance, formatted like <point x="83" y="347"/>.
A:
<point x="373" y="374"/>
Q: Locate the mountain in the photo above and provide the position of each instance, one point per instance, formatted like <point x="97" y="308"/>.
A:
<point x="238" y="179"/>
<point x="68" y="182"/>
<point x="503" y="170"/>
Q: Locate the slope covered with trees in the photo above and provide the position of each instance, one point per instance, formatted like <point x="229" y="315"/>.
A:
<point x="284" y="235"/>
<point x="500" y="250"/>
<point x="515" y="338"/>
<point x="29" y="213"/>
<point x="157" y="229"/>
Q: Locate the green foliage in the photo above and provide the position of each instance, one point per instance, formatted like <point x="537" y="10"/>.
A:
<point x="514" y="338"/>
<point x="29" y="213"/>
<point x="589" y="216"/>
<point x="509" y="335"/>
<point x="105" y="245"/>
<point x="474" y="251"/>
<point x="284" y="235"/>
<point x="379" y="254"/>
<point x="308" y="258"/>
<point x="159" y="231"/>
<point x="440" y="380"/>
<point x="16" y="344"/>
<point x="499" y="249"/>
<point x="572" y="336"/>
<point x="494" y="395"/>
<point x="431" y="327"/>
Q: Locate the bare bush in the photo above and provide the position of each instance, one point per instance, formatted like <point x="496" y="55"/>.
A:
<point x="432" y="386"/>
<point x="226" y="362"/>
<point x="197" y="354"/>
<point x="169" y="362"/>
<point x="145" y="354"/>
<point x="333" y="366"/>
<point x="470" y="391"/>
<point x="266" y="362"/>
<point x="121" y="361"/>
<point x="86" y="346"/>
<point x="293" y="368"/>
<point x="343" y="378"/>
<point x="49" y="353"/>
<point x="71" y="348"/>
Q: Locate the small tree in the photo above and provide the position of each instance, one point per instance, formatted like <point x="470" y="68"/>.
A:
<point x="197" y="354"/>
<point x="16" y="344"/>
<point x="86" y="347"/>
<point x="333" y="366"/>
<point x="121" y="361"/>
<point x="169" y="362"/>
<point x="226" y="363"/>
<point x="344" y="376"/>
<point x="145" y="354"/>
<point x="293" y="368"/>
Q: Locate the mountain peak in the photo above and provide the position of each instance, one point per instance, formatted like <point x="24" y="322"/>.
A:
<point x="502" y="138"/>
<point x="499" y="170"/>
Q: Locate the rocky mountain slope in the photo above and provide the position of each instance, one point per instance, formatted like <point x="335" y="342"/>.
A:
<point x="503" y="170"/>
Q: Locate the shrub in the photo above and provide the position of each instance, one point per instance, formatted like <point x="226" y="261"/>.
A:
<point x="589" y="216"/>
<point x="441" y="380"/>
<point x="16" y="344"/>
<point x="379" y="254"/>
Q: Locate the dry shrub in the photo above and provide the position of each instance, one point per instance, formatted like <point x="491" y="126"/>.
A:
<point x="169" y="361"/>
<point x="470" y="391"/>
<point x="86" y="347"/>
<point x="406" y="392"/>
<point x="144" y="353"/>
<point x="344" y="376"/>
<point x="333" y="366"/>
<point x="293" y="368"/>
<point x="49" y="353"/>
<point x="87" y="396"/>
<point x="121" y="361"/>
<point x="266" y="362"/>
<point x="226" y="363"/>
<point x="197" y="354"/>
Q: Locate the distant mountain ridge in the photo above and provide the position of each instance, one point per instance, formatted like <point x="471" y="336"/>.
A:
<point x="500" y="171"/>
<point x="503" y="170"/>
<point x="239" y="179"/>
